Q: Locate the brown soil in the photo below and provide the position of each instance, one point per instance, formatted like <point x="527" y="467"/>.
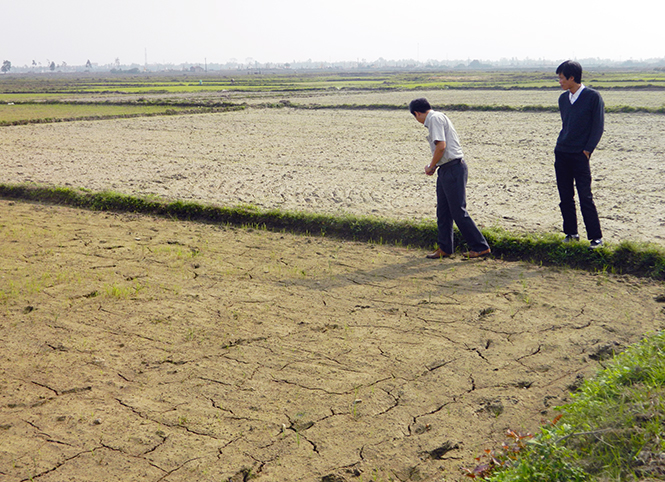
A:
<point x="137" y="348"/>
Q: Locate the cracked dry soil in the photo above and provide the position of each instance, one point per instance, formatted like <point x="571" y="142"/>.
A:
<point x="139" y="348"/>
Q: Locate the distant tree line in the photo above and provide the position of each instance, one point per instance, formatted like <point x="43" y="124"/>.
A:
<point x="253" y="66"/>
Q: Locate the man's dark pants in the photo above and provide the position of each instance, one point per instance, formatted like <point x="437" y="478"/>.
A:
<point x="573" y="170"/>
<point x="451" y="206"/>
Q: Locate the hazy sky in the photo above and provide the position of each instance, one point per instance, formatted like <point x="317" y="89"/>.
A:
<point x="192" y="31"/>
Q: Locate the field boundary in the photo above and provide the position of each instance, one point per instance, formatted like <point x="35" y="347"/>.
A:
<point x="189" y="108"/>
<point x="171" y="109"/>
<point x="639" y="259"/>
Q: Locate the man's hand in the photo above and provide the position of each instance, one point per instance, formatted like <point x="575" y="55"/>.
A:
<point x="439" y="149"/>
<point x="587" y="154"/>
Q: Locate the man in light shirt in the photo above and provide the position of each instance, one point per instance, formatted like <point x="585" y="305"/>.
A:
<point x="582" y="116"/>
<point x="447" y="157"/>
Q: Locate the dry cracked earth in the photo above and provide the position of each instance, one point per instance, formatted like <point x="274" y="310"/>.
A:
<point x="140" y="348"/>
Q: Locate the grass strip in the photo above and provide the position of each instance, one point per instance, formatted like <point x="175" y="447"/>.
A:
<point x="50" y="112"/>
<point x="43" y="114"/>
<point x="621" y="109"/>
<point x="344" y="227"/>
<point x="612" y="430"/>
<point x="640" y="259"/>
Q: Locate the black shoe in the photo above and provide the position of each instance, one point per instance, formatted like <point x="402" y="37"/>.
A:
<point x="595" y="243"/>
<point x="571" y="238"/>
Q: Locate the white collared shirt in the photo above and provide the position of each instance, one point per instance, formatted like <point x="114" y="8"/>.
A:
<point x="573" y="97"/>
<point x="440" y="128"/>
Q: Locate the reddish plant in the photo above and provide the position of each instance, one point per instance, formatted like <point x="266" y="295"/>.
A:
<point x="492" y="460"/>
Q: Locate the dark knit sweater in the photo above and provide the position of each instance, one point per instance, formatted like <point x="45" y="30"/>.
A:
<point x="583" y="122"/>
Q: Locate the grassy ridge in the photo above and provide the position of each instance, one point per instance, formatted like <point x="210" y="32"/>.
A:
<point x="22" y="113"/>
<point x="45" y="112"/>
<point x="639" y="259"/>
<point x="621" y="109"/>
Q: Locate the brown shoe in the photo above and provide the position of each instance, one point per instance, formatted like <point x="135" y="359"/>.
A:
<point x="477" y="254"/>
<point x="438" y="254"/>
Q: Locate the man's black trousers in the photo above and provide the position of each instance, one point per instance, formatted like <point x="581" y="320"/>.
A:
<point x="573" y="170"/>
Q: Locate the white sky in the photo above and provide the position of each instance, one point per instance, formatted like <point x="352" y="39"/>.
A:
<point x="191" y="31"/>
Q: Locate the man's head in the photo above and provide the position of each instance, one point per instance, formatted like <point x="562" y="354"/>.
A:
<point x="419" y="108"/>
<point x="570" y="69"/>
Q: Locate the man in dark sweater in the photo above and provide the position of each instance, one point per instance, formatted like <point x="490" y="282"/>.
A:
<point x="582" y="115"/>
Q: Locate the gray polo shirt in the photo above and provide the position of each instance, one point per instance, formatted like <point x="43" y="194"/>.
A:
<point x="441" y="129"/>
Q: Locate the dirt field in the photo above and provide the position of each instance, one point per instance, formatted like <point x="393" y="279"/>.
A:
<point x="362" y="162"/>
<point x="135" y="348"/>
<point x="138" y="348"/>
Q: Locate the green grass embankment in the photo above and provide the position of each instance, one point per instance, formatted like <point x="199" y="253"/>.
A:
<point x="640" y="259"/>
<point x="52" y="111"/>
<point x="31" y="112"/>
<point x="619" y="109"/>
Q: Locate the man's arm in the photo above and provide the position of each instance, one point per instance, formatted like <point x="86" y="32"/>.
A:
<point x="597" y="127"/>
<point x="440" y="147"/>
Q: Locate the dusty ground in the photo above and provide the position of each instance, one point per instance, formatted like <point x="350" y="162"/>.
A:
<point x="362" y="162"/>
<point x="135" y="348"/>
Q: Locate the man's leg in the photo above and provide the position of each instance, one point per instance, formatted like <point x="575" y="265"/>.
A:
<point x="587" y="206"/>
<point x="454" y="181"/>
<point x="444" y="219"/>
<point x="563" y="167"/>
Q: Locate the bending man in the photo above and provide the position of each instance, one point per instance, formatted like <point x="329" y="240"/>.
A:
<point x="447" y="157"/>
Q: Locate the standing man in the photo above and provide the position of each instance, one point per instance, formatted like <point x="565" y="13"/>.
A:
<point x="582" y="115"/>
<point x="447" y="156"/>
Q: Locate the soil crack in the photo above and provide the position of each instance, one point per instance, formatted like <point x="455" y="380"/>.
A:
<point x="58" y="465"/>
<point x="535" y="352"/>
<point x="64" y="392"/>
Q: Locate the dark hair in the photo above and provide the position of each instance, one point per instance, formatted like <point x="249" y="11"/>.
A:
<point x="569" y="69"/>
<point x="419" y="105"/>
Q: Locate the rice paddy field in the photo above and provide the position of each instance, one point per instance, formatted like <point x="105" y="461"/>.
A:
<point x="145" y="348"/>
